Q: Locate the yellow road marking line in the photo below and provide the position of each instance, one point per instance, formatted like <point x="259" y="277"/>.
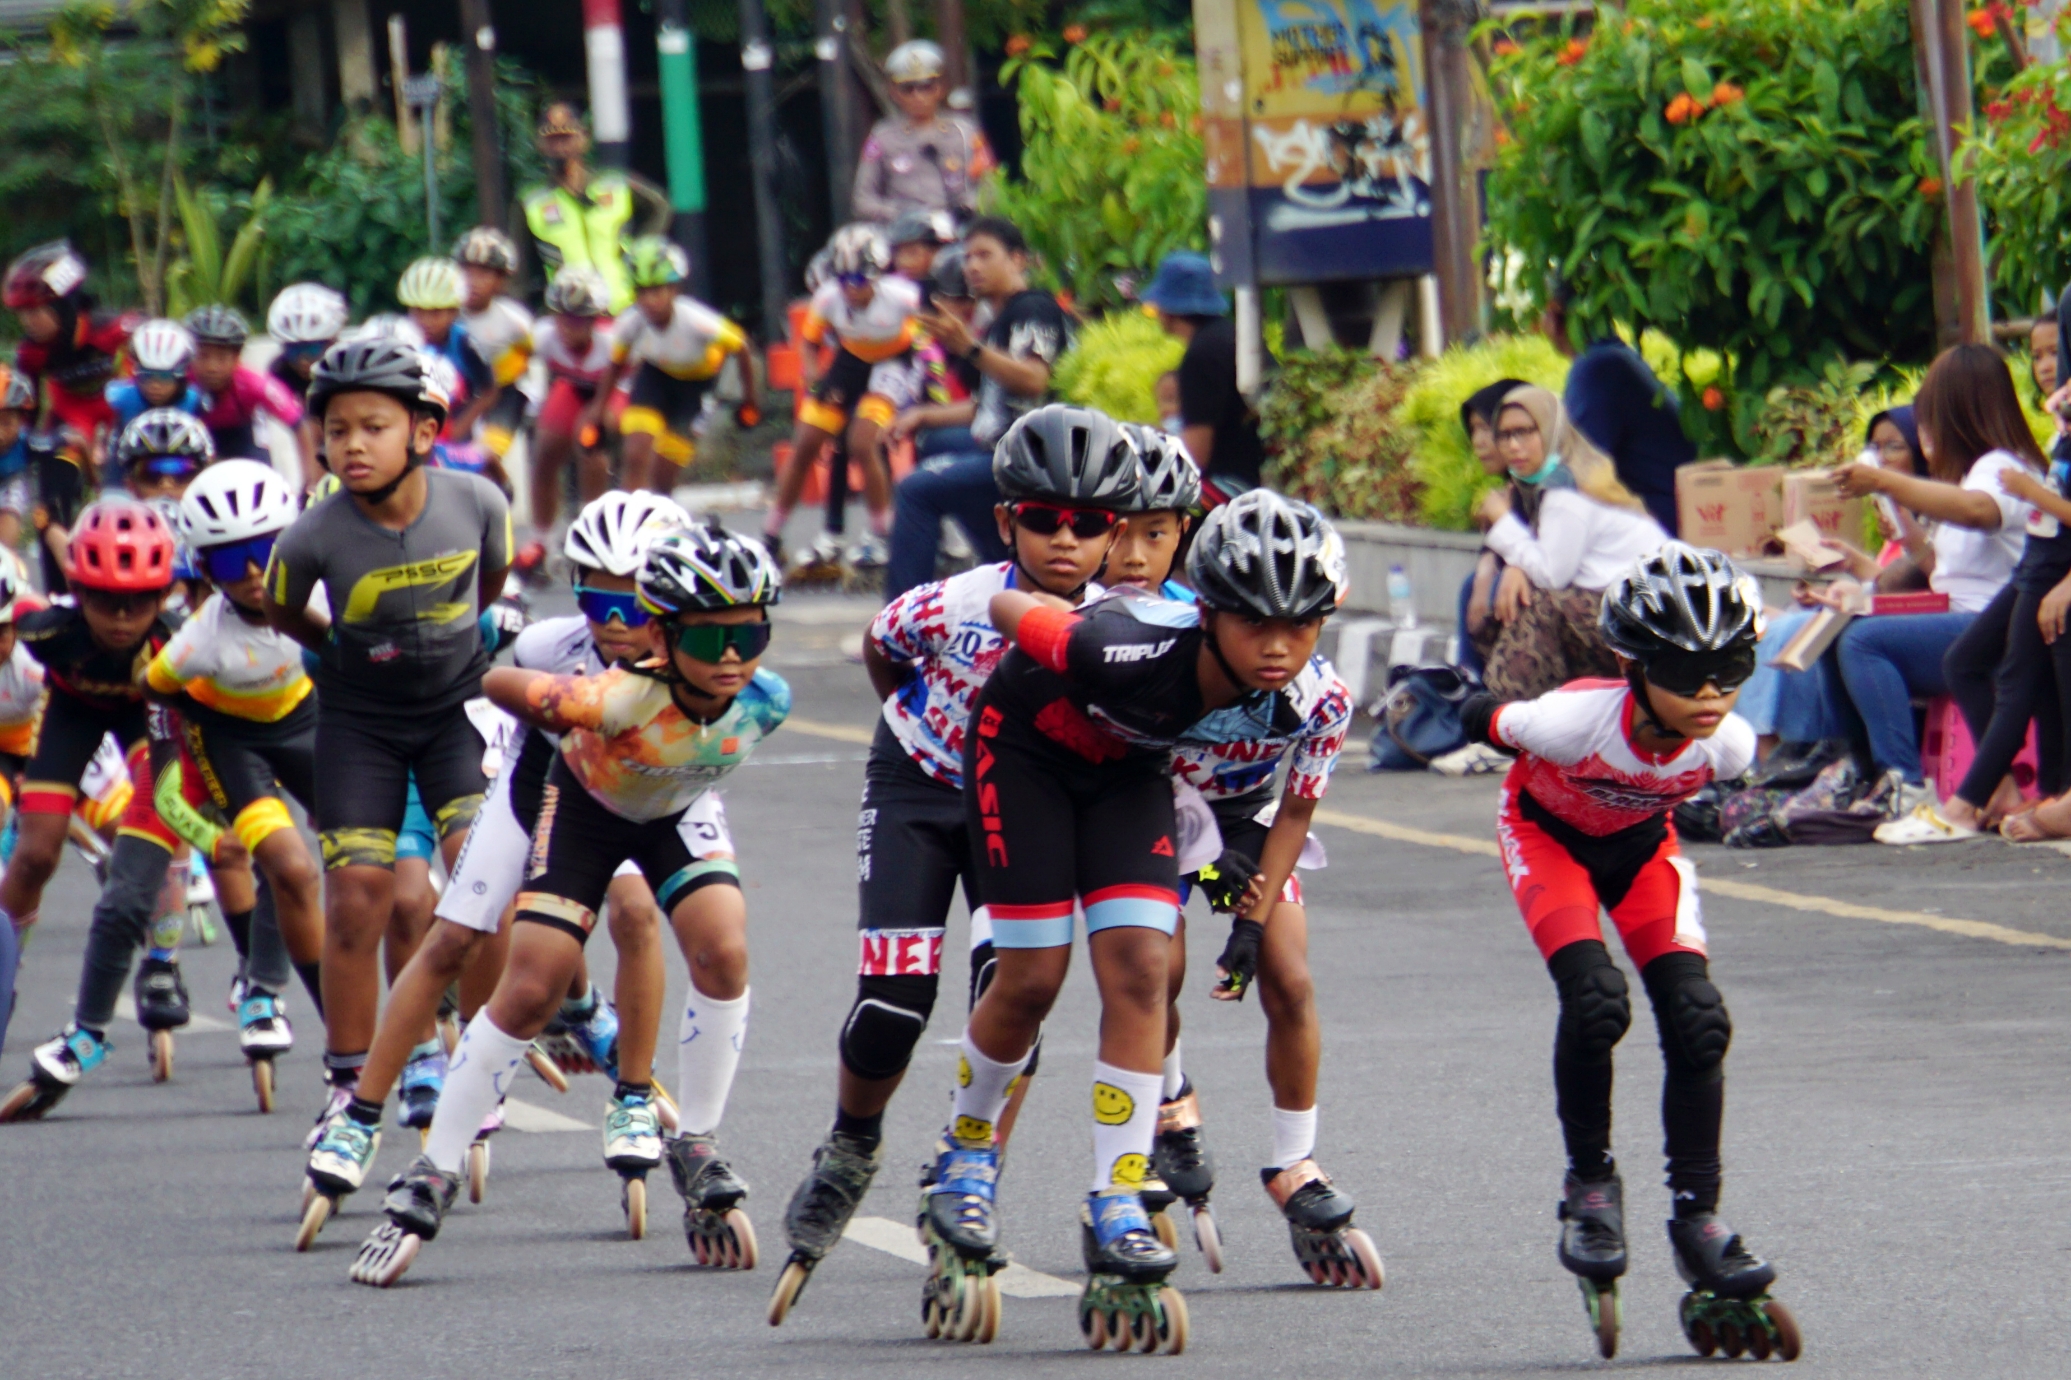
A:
<point x="1718" y="886"/>
<point x="841" y="733"/>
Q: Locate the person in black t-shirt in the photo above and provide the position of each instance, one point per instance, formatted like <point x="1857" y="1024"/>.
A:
<point x="1219" y="427"/>
<point x="1014" y="342"/>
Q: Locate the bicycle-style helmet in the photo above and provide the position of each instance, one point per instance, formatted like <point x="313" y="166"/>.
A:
<point x="655" y="261"/>
<point x="704" y="569"/>
<point x="1060" y="453"/>
<point x="377" y="364"/>
<point x="485" y="246"/>
<point x="578" y="290"/>
<point x="44" y="275"/>
<point x="164" y="433"/>
<point x="235" y="500"/>
<point x="1266" y="556"/>
<point x="120" y="546"/>
<point x="1681" y="598"/>
<point x="1171" y="482"/>
<point x="921" y="227"/>
<point x="947" y="273"/>
<point x="307" y="314"/>
<point x="858" y="251"/>
<point x="612" y="533"/>
<point x="17" y="394"/>
<point x="217" y="324"/>
<point x="161" y="347"/>
<point x="431" y="284"/>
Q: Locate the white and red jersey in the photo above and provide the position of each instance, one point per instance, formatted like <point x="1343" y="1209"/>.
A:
<point x="1237" y="750"/>
<point x="584" y="370"/>
<point x="946" y="629"/>
<point x="1579" y="762"/>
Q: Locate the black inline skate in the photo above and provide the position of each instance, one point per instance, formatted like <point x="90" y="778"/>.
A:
<point x="961" y="1300"/>
<point x="55" y="1068"/>
<point x="1180" y="1159"/>
<point x="162" y="1008"/>
<point x="1592" y="1248"/>
<point x="416" y="1205"/>
<point x="1728" y="1307"/>
<point x="819" y="1213"/>
<point x="1330" y="1250"/>
<point x="1126" y="1303"/>
<point x="719" y="1233"/>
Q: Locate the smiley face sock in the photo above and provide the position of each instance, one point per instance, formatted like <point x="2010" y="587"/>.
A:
<point x="1125" y="1118"/>
<point x="983" y="1085"/>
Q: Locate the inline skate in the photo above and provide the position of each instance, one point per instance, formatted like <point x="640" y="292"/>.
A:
<point x="1592" y="1248"/>
<point x="961" y="1300"/>
<point x="632" y="1149"/>
<point x="1728" y="1307"/>
<point x="162" y="1008"/>
<point x="263" y="1035"/>
<point x="719" y="1233"/>
<point x="819" y="1212"/>
<point x="341" y="1151"/>
<point x="416" y="1207"/>
<point x="1180" y="1159"/>
<point x="417" y="1092"/>
<point x="1328" y="1247"/>
<point x="55" y="1068"/>
<point x="1126" y="1302"/>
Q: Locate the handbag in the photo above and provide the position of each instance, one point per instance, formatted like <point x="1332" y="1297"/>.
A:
<point x="1419" y="718"/>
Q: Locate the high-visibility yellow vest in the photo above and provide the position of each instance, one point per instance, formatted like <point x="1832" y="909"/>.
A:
<point x="587" y="229"/>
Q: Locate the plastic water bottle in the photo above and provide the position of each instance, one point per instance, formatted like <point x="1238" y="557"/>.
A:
<point x="1402" y="599"/>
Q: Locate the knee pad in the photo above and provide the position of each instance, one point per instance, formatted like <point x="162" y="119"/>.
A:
<point x="1595" y="1001"/>
<point x="1695" y="1026"/>
<point x="886" y="1023"/>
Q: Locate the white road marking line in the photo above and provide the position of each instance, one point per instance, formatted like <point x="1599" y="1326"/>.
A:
<point x="1739" y="891"/>
<point x="897" y="1238"/>
<point x="520" y="1115"/>
<point x="197" y="1024"/>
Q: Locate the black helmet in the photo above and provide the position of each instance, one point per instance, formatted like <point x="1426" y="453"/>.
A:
<point x="947" y="273"/>
<point x="380" y="364"/>
<point x="1266" y="556"/>
<point x="921" y="227"/>
<point x="1171" y="483"/>
<point x="217" y="324"/>
<point x="704" y="569"/>
<point x="1681" y="598"/>
<point x="164" y="432"/>
<point x="1068" y="454"/>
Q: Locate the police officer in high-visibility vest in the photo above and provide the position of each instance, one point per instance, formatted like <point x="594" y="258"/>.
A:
<point x="585" y="217"/>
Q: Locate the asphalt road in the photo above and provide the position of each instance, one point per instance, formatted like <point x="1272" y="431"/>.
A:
<point x="1896" y="1135"/>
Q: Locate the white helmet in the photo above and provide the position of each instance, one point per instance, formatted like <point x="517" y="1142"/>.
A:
<point x="914" y="60"/>
<point x="432" y="284"/>
<point x="858" y="251"/>
<point x="306" y="314"/>
<point x="161" y="347"/>
<point x="234" y="500"/>
<point x="611" y="533"/>
<point x="388" y="325"/>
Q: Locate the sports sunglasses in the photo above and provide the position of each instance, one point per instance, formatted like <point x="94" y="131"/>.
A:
<point x="1044" y="519"/>
<point x="708" y="642"/>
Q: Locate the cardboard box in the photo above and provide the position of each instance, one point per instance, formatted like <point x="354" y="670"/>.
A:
<point x="1812" y="496"/>
<point x="1731" y="508"/>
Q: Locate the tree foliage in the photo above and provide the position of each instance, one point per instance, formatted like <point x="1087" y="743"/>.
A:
<point x="1749" y="176"/>
<point x="2020" y="152"/>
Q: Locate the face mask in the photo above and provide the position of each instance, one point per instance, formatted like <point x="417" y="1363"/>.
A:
<point x="1544" y="472"/>
<point x="1171" y="424"/>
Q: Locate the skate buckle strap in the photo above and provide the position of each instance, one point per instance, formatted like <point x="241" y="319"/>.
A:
<point x="1283" y="1185"/>
<point x="1182" y="1113"/>
<point x="87" y="1048"/>
<point x="259" y="1006"/>
<point x="968" y="1172"/>
<point x="1116" y="1215"/>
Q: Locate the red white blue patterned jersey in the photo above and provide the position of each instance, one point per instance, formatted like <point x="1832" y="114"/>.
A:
<point x="1237" y="750"/>
<point x="1579" y="761"/>
<point x="945" y="629"/>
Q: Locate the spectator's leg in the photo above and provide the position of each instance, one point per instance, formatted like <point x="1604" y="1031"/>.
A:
<point x="1887" y="661"/>
<point x="917" y="508"/>
<point x="1759" y="698"/>
<point x="1525" y="659"/>
<point x="1996" y="673"/>
<point x="1584" y="651"/>
<point x="1469" y="654"/>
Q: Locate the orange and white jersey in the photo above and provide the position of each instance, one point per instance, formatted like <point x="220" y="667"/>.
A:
<point x="874" y="333"/>
<point x="232" y="664"/>
<point x="21" y="697"/>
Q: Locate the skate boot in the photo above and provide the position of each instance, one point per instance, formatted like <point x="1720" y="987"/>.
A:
<point x="597" y="1037"/>
<point x="866" y="563"/>
<point x="416" y="1206"/>
<point x="719" y="1233"/>
<point x="819" y="1212"/>
<point x="417" y="1094"/>
<point x="1180" y="1158"/>
<point x="478" y="1154"/>
<point x="632" y="1148"/>
<point x="161" y="998"/>
<point x="338" y="1165"/>
<point x="1728" y="1307"/>
<point x="1592" y="1248"/>
<point x="263" y="1035"/>
<point x="1330" y="1250"/>
<point x="1126" y="1302"/>
<point x="55" y="1068"/>
<point x="820" y="564"/>
<point x="961" y="1300"/>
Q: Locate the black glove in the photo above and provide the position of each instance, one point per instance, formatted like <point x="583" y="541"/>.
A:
<point x="1224" y="880"/>
<point x="1239" y="961"/>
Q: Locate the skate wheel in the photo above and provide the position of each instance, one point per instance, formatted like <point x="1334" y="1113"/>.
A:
<point x="315" y="1213"/>
<point x="961" y="1322"/>
<point x="665" y="1110"/>
<point x="1143" y="1333"/>
<point x="632" y="1195"/>
<point x="1172" y="1321"/>
<point x="1119" y="1333"/>
<point x="930" y="1311"/>
<point x="384" y="1256"/>
<point x="308" y="1192"/>
<point x="478" y="1171"/>
<point x="1209" y="1238"/>
<point x="1758" y="1342"/>
<point x="1605" y="1308"/>
<point x="1731" y="1340"/>
<point x="19" y="1105"/>
<point x="262" y="1083"/>
<point x="743" y="1234"/>
<point x="1167" y="1230"/>
<point x="1788" y="1342"/>
<point x="423" y="1136"/>
<point x="161" y="1056"/>
<point x="1363" y="1270"/>
<point x="790" y="1284"/>
<point x="549" y="1072"/>
<point x="1701" y="1339"/>
<point x="700" y="1251"/>
<point x="988" y="1292"/>
<point x="1093" y="1327"/>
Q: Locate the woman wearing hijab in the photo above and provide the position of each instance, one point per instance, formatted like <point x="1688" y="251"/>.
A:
<point x="1478" y="591"/>
<point x="1565" y="528"/>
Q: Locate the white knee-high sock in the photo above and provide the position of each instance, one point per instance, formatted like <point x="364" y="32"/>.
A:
<point x="983" y="1085"/>
<point x="708" y="1050"/>
<point x="479" y="1074"/>
<point x="1125" y="1120"/>
<point x="1175" y="1074"/>
<point x="1294" y="1136"/>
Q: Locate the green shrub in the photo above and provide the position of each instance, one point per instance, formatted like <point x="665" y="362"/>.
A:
<point x="1115" y="364"/>
<point x="1452" y="479"/>
<point x="1329" y="421"/>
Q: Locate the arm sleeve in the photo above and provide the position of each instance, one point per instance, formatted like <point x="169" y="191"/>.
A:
<point x="623" y="332"/>
<point x="1045" y="634"/>
<point x="291" y="575"/>
<point x="1552" y="557"/>
<point x="169" y="797"/>
<point x="1478" y="718"/>
<point x="566" y="702"/>
<point x="1556" y="727"/>
<point x="2013" y="512"/>
<point x="865" y="203"/>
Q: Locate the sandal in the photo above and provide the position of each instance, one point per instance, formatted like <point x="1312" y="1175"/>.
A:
<point x="2026" y="828"/>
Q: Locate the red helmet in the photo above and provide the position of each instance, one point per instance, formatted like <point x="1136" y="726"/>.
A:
<point x="44" y="274"/>
<point x="121" y="546"/>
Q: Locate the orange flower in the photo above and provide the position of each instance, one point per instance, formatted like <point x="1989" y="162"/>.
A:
<point x="1169" y="120"/>
<point x="1075" y="33"/>
<point x="1713" y="399"/>
<point x="1505" y="47"/>
<point x="1131" y="144"/>
<point x="1503" y="138"/>
<point x="1682" y="110"/>
<point x="1019" y="44"/>
<point x="1706" y="21"/>
<point x="1112" y="103"/>
<point x="1725" y="93"/>
<point x="1930" y="186"/>
<point x="1575" y="51"/>
<point x="1981" y="21"/>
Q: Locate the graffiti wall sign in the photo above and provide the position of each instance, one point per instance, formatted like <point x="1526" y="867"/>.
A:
<point x="1317" y="152"/>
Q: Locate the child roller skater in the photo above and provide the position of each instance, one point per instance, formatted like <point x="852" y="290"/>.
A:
<point x="1584" y="828"/>
<point x="641" y="748"/>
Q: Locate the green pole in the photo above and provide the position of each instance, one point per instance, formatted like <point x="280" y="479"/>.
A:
<point x="683" y="134"/>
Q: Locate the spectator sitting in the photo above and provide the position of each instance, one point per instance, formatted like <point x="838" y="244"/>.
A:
<point x="1971" y="431"/>
<point x="942" y="424"/>
<point x="1614" y="399"/>
<point x="1565" y="528"/>
<point x="1478" y="592"/>
<point x="1219" y="426"/>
